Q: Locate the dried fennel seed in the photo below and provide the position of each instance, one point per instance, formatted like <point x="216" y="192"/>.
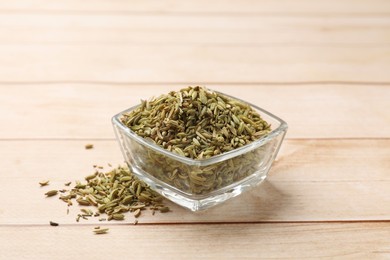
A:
<point x="197" y="123"/>
<point x="99" y="231"/>
<point x="51" y="193"/>
<point x="54" y="224"/>
<point x="88" y="146"/>
<point x="44" y="183"/>
<point x="113" y="193"/>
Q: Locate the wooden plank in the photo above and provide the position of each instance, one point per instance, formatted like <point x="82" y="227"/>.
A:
<point x="331" y="7"/>
<point x="216" y="63"/>
<point x="178" y="63"/>
<point x="183" y="29"/>
<point x="84" y="110"/>
<point x="265" y="241"/>
<point x="312" y="180"/>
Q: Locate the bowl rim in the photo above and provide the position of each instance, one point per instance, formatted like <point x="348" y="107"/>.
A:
<point x="214" y="159"/>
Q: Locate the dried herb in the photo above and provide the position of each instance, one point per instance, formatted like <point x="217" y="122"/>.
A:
<point x="164" y="209"/>
<point x="113" y="193"/>
<point x="137" y="213"/>
<point x="100" y="231"/>
<point x="118" y="216"/>
<point x="88" y="146"/>
<point x="51" y="193"/>
<point x="87" y="212"/>
<point x="197" y="123"/>
<point x="44" y="183"/>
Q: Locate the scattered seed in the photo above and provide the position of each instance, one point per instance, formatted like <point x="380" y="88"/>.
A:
<point x="53" y="223"/>
<point x="90" y="177"/>
<point x="138" y="206"/>
<point x="118" y="216"/>
<point x="88" y="146"/>
<point x="164" y="209"/>
<point x="137" y="213"/>
<point x="101" y="231"/>
<point x="51" y="193"/>
<point x="87" y="212"/>
<point x="83" y="202"/>
<point x="44" y="183"/>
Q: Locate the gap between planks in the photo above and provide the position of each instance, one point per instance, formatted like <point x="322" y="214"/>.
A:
<point x="189" y="13"/>
<point x="118" y="223"/>
<point x="246" y="7"/>
<point x="288" y="241"/>
<point x="230" y="83"/>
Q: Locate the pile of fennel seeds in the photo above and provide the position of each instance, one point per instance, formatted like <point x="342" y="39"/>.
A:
<point x="112" y="194"/>
<point x="196" y="122"/>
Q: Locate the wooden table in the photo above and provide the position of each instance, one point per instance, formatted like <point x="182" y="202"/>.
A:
<point x="324" y="67"/>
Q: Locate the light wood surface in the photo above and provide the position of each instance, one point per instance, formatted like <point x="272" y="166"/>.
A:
<point x="223" y="29"/>
<point x="83" y="110"/>
<point x="139" y="63"/>
<point x="312" y="180"/>
<point x="203" y="7"/>
<point x="254" y="241"/>
<point x="66" y="67"/>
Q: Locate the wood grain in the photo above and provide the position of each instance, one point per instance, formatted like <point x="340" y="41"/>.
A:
<point x="254" y="241"/>
<point x="312" y="180"/>
<point x="202" y="7"/>
<point x="174" y="63"/>
<point x="68" y="66"/>
<point x="121" y="30"/>
<point x="84" y="110"/>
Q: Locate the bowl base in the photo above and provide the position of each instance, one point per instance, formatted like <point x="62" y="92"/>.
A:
<point x="198" y="203"/>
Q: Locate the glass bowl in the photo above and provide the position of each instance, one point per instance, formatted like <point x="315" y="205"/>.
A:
<point x="200" y="184"/>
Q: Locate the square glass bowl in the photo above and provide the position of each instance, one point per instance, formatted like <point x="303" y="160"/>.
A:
<point x="200" y="184"/>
